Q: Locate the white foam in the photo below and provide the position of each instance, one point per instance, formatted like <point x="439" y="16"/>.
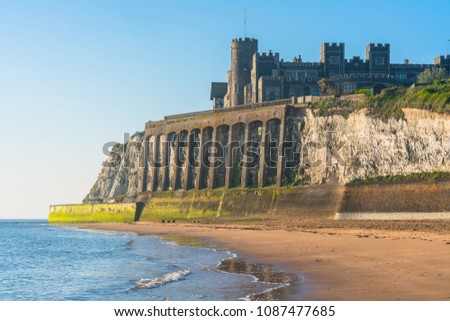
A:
<point x="166" y="278"/>
<point x="280" y="285"/>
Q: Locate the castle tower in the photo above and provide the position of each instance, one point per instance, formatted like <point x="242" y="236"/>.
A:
<point x="333" y="58"/>
<point x="242" y="51"/>
<point x="379" y="57"/>
<point x="443" y="62"/>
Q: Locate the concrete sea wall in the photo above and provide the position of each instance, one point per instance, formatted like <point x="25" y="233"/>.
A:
<point x="401" y="201"/>
<point x="319" y="202"/>
<point x="92" y="213"/>
<point x="302" y="202"/>
<point x="407" y="201"/>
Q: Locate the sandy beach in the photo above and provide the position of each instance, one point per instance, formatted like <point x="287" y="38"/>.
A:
<point x="339" y="261"/>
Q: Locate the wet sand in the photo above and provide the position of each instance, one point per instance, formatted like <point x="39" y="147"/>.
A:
<point x="339" y="261"/>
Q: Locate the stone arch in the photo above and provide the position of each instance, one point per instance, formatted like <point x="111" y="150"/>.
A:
<point x="193" y="158"/>
<point x="252" y="151"/>
<point x="220" y="155"/>
<point x="170" y="165"/>
<point x="181" y="158"/>
<point x="206" y="138"/>
<point x="236" y="156"/>
<point x="155" y="162"/>
<point x="272" y="141"/>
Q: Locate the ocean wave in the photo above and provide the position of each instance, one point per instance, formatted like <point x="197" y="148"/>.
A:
<point x="166" y="278"/>
<point x="248" y="297"/>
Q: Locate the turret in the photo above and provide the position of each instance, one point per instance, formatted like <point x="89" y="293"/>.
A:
<point x="379" y="57"/>
<point x="443" y="62"/>
<point x="242" y="51"/>
<point x="332" y="55"/>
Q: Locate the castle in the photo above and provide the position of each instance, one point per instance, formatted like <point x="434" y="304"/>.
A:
<point x="257" y="77"/>
<point x="268" y="152"/>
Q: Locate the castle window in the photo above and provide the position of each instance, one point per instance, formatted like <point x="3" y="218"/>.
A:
<point x="311" y="74"/>
<point x="401" y="76"/>
<point x="290" y="74"/>
<point x="348" y="88"/>
<point x="301" y="75"/>
<point x="272" y="93"/>
<point x="379" y="61"/>
<point x="315" y="91"/>
<point x="294" y="91"/>
<point x="334" y="60"/>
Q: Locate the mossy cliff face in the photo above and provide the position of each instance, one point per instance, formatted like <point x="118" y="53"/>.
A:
<point x="92" y="213"/>
<point x="362" y="146"/>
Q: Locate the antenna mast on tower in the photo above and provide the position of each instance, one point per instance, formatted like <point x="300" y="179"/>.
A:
<point x="245" y="22"/>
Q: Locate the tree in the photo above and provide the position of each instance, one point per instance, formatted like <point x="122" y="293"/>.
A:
<point x="429" y="75"/>
<point x="326" y="87"/>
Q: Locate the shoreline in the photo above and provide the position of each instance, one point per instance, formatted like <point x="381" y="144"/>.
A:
<point x="339" y="263"/>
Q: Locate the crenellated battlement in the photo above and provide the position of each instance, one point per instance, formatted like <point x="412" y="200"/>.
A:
<point x="333" y="45"/>
<point x="301" y="64"/>
<point x="379" y="46"/>
<point x="268" y="54"/>
<point x="442" y="60"/>
<point x="361" y="76"/>
<point x="355" y="59"/>
<point x="411" y="66"/>
<point x="248" y="40"/>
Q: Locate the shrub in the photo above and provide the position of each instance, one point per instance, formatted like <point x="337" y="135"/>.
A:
<point x="365" y="91"/>
<point x="429" y="75"/>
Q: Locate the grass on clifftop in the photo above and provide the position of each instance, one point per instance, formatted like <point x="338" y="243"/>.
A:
<point x="429" y="177"/>
<point x="434" y="97"/>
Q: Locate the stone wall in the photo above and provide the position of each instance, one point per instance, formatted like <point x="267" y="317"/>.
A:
<point x="92" y="213"/>
<point x="314" y="202"/>
<point x="302" y="202"/>
<point x="401" y="198"/>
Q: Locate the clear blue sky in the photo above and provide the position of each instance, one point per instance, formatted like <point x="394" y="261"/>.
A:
<point x="77" y="74"/>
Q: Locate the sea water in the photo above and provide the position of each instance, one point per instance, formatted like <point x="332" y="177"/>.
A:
<point x="39" y="261"/>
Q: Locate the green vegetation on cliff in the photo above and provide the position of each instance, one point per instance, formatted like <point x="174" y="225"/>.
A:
<point x="429" y="177"/>
<point x="364" y="91"/>
<point x="434" y="97"/>
<point x="429" y="75"/>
